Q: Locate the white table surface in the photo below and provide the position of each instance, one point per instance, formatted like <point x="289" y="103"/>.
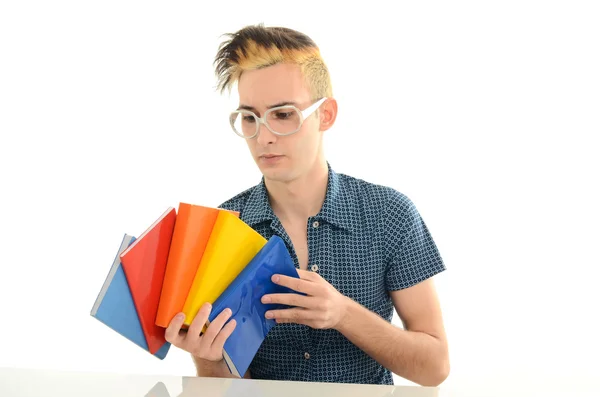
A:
<point x="49" y="383"/>
<point x="15" y="382"/>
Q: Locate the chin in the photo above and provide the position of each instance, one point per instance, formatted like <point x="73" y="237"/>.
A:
<point x="277" y="173"/>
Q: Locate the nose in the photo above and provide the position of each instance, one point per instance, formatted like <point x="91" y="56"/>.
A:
<point x="265" y="136"/>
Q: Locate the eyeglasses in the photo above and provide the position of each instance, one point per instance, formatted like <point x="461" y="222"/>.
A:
<point x="280" y="120"/>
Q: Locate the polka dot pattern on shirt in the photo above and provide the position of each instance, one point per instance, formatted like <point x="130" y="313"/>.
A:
<point x="366" y="241"/>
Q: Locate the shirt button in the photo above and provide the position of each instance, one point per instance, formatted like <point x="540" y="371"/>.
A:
<point x="306" y="355"/>
<point x="316" y="224"/>
<point x="314" y="268"/>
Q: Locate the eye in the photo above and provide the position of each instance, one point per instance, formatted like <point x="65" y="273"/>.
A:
<point x="283" y="115"/>
<point x="248" y="119"/>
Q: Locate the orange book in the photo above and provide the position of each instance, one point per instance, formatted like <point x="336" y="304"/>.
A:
<point x="144" y="264"/>
<point x="193" y="228"/>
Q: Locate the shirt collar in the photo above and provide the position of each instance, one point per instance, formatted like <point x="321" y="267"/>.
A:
<point x="336" y="210"/>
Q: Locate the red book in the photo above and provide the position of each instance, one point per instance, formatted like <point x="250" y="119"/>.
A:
<point x="144" y="264"/>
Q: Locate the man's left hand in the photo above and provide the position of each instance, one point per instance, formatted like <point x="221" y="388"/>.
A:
<point x="322" y="307"/>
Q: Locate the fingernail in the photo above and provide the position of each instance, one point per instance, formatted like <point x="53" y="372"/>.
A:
<point x="275" y="278"/>
<point x="266" y="299"/>
<point x="180" y="317"/>
<point x="228" y="312"/>
<point x="269" y="315"/>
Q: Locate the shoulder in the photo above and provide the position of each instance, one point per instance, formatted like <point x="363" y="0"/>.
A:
<point x="396" y="229"/>
<point x="389" y="213"/>
<point x="237" y="202"/>
<point x="387" y="203"/>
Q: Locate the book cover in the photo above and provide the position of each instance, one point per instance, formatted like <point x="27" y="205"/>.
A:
<point x="243" y="297"/>
<point x="144" y="264"/>
<point x="231" y="246"/>
<point x="114" y="305"/>
<point x="193" y="228"/>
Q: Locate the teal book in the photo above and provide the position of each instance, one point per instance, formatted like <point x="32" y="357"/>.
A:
<point x="114" y="305"/>
<point x="243" y="297"/>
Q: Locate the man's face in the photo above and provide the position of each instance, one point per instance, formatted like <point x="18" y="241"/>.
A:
<point x="280" y="158"/>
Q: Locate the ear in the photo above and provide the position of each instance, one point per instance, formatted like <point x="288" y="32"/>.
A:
<point x="327" y="114"/>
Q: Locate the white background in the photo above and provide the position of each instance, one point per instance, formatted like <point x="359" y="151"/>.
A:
<point x="486" y="114"/>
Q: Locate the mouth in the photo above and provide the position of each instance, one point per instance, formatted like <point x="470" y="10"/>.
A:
<point x="270" y="156"/>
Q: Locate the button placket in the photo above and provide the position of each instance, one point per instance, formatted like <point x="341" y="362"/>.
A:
<point x="315" y="225"/>
<point x="279" y="230"/>
<point x="319" y="247"/>
<point x="313" y="239"/>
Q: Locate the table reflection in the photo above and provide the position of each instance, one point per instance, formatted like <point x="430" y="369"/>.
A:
<point x="200" y="387"/>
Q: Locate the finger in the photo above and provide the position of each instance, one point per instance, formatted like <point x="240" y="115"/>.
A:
<point x="308" y="275"/>
<point x="199" y="321"/>
<point x="285" y="321"/>
<point x="173" y="333"/>
<point x="289" y="299"/>
<point x="295" y="315"/>
<point x="299" y="285"/>
<point x="215" y="326"/>
<point x="221" y="338"/>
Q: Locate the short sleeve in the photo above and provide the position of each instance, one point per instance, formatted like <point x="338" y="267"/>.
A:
<point x="411" y="252"/>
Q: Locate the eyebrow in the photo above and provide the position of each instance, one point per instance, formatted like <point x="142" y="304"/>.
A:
<point x="253" y="109"/>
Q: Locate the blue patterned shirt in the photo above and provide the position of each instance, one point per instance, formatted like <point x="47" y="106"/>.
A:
<point x="366" y="241"/>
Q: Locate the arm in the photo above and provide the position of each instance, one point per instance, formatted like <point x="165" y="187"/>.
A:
<point x="419" y="353"/>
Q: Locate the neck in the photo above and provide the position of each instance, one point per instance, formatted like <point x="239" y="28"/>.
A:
<point x="302" y="197"/>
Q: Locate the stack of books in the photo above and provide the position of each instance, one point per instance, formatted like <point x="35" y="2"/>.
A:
<point x="184" y="259"/>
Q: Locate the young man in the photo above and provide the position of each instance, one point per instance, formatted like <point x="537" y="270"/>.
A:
<point x="361" y="249"/>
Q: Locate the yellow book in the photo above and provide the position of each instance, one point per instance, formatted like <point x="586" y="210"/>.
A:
<point x="231" y="246"/>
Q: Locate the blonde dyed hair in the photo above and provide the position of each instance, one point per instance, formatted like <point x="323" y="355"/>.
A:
<point x="255" y="47"/>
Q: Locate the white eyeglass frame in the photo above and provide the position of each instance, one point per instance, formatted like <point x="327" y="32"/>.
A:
<point x="304" y="114"/>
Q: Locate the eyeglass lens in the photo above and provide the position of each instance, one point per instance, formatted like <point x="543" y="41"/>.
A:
<point x="282" y="121"/>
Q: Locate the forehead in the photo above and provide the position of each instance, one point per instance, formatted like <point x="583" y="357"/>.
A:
<point x="273" y="84"/>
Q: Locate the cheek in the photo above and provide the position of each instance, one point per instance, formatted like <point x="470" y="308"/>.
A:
<point x="311" y="140"/>
<point x="250" y="144"/>
<point x="308" y="138"/>
<point x="301" y="143"/>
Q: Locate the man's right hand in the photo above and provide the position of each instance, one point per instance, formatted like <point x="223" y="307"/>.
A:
<point x="208" y="346"/>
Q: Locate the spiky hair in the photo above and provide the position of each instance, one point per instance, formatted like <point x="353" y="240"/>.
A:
<point x="257" y="46"/>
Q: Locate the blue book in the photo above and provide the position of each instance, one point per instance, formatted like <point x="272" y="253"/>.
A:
<point x="243" y="297"/>
<point x="114" y="305"/>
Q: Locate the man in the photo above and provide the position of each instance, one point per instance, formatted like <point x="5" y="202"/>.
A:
<point x="361" y="249"/>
